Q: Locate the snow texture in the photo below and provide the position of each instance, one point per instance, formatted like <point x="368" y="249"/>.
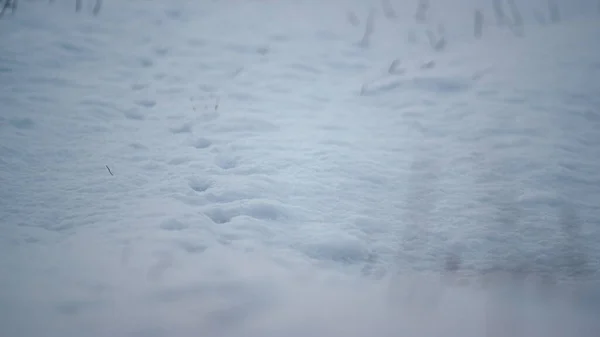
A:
<point x="299" y="168"/>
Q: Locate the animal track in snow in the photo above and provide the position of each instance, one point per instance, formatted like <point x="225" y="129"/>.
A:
<point x="173" y="225"/>
<point x="179" y="160"/>
<point x="22" y="123"/>
<point x="133" y="114"/>
<point x="184" y="128"/>
<point x="146" y="103"/>
<point x="199" y="185"/>
<point x="201" y="143"/>
<point x="226" y="162"/>
<point x="146" y="62"/>
<point x="138" y="86"/>
<point x="257" y="209"/>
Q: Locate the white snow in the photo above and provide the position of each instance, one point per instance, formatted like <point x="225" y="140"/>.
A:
<point x="271" y="175"/>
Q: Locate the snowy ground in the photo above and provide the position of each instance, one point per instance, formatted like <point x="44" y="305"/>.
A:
<point x="272" y="176"/>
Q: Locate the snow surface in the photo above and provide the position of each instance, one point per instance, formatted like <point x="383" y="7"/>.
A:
<point x="273" y="174"/>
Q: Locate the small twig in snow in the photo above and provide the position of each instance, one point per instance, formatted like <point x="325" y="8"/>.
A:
<point x="109" y="171"/>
